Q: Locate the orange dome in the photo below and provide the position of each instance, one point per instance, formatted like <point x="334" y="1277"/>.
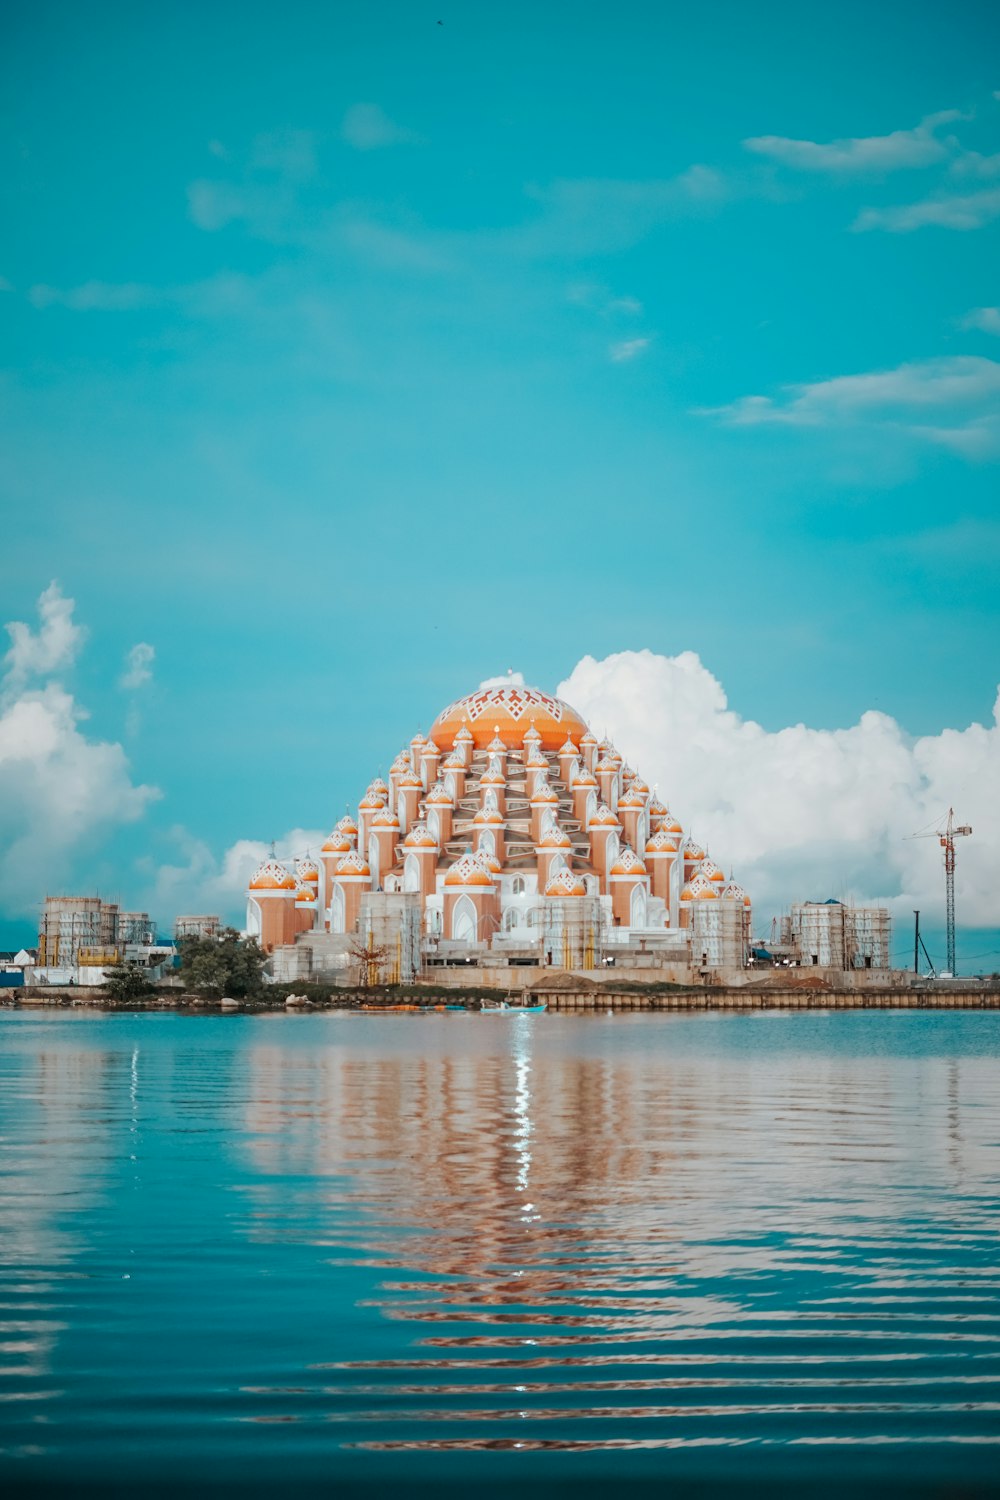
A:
<point x="488" y="815"/>
<point x="584" y="777"/>
<point x="693" y="850"/>
<point x="668" y="823"/>
<point x="272" y="876"/>
<point x="535" y="760"/>
<point x="419" y="837"/>
<point x="307" y="869"/>
<point x="439" y="796"/>
<point x="555" y="838"/>
<point x="603" y="818"/>
<point x="509" y="711"/>
<point x="662" y="842"/>
<point x="701" y="890"/>
<point x="632" y="799"/>
<point x="337" y="843"/>
<point x="628" y="863"/>
<point x="589" y="738"/>
<point x="303" y="894"/>
<point x="545" y="794"/>
<point x="468" y="871"/>
<point x="409" y="778"/>
<point x="372" y="800"/>
<point x="565" y="883"/>
<point x="385" y="818"/>
<point x="347" y="825"/>
<point x="353" y="864"/>
<point x="711" y="871"/>
<point x="493" y="778"/>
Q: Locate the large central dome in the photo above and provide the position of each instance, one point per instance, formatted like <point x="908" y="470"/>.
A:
<point x="511" y="710"/>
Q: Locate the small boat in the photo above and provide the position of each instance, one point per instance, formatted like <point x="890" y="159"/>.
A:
<point x="502" y="1008"/>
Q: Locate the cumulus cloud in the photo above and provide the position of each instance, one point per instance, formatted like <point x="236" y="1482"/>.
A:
<point x="509" y="679"/>
<point x="919" y="147"/>
<point x="947" y="211"/>
<point x="138" y="666"/>
<point x="61" y="793"/>
<point x="50" y="648"/>
<point x="803" y="813"/>
<point x="986" y="319"/>
<point x="201" y="881"/>
<point x="367" y="127"/>
<point x="627" y="349"/>
<point x="951" y="401"/>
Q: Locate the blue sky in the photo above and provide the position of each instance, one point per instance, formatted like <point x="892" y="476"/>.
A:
<point x="351" y="358"/>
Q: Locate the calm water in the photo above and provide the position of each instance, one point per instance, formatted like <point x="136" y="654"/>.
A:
<point x="713" y="1254"/>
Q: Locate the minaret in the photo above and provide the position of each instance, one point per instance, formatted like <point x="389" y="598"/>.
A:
<point x="271" y="906"/>
<point x="602" y="830"/>
<point x="422" y="849"/>
<point x="626" y="873"/>
<point x="552" y="850"/>
<point x="567" y="755"/>
<point x="542" y="799"/>
<point x="584" y="783"/>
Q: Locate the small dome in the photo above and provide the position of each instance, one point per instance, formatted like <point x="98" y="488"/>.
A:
<point x="609" y="763"/>
<point x="402" y="761"/>
<point x="347" y="825"/>
<point x="493" y="778"/>
<point x="378" y="785"/>
<point x="733" y="892"/>
<point x="565" y="883"/>
<point x="420" y="837"/>
<point x="418" y="739"/>
<point x="628" y="773"/>
<point x="544" y="795"/>
<point x="497" y="744"/>
<point x="555" y="838"/>
<point x="535" y="760"/>
<point x="628" y="863"/>
<point x="468" y="871"/>
<point x="490" y="861"/>
<point x="337" y="843"/>
<point x="569" y="748"/>
<point x="669" y="823"/>
<point x="710" y="870"/>
<point x="353" y="864"/>
<point x="410" y="778"/>
<point x="638" y="785"/>
<point x="307" y="870"/>
<point x="584" y="778"/>
<point x="656" y="808"/>
<point x="693" y="850"/>
<point x="662" y="842"/>
<point x="385" y="818"/>
<point x="454" y="762"/>
<point x="439" y="796"/>
<point x="305" y="895"/>
<point x="464" y="735"/>
<point x="489" y="817"/>
<point x="531" y="735"/>
<point x="702" y="889"/>
<point x="272" y="876"/>
<point x="603" y="817"/>
<point x="588" y="739"/>
<point x="371" y="800"/>
<point x="430" y="748"/>
<point x="632" y="799"/>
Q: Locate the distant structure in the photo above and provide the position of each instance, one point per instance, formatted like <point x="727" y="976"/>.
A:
<point x="831" y="935"/>
<point x="196" y="927"/>
<point x="508" y="835"/>
<point x="82" y="936"/>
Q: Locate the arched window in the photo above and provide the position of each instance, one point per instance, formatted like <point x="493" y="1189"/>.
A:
<point x="487" y="843"/>
<point x="411" y="873"/>
<point x="434" y="825"/>
<point x="490" y="800"/>
<point x="401" y="812"/>
<point x="614" y="848"/>
<point x="591" y="808"/>
<point x="517" y="886"/>
<point x="337" y="909"/>
<point x="373" y="862"/>
<point x="463" y="921"/>
<point x="637" y="914"/>
<point x="451" y="783"/>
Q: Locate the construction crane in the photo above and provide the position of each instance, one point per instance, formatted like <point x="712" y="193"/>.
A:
<point x="947" y="837"/>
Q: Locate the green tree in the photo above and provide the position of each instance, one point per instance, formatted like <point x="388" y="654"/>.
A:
<point x="223" y="965"/>
<point x="127" y="981"/>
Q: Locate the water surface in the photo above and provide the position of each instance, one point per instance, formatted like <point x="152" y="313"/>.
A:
<point x="342" y="1253"/>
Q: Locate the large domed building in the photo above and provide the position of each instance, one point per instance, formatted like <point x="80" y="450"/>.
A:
<point x="508" y="830"/>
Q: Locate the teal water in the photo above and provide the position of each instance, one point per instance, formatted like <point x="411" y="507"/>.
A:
<point x="344" y="1254"/>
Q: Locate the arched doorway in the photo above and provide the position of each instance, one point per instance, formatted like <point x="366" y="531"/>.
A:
<point x="463" y="921"/>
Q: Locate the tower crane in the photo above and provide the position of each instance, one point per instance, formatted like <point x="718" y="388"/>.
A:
<point x="947" y="837"/>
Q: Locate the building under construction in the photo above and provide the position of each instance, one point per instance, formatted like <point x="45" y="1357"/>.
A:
<point x="86" y="931"/>
<point x="830" y="935"/>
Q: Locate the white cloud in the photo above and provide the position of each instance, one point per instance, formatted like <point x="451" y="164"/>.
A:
<point x="918" y="147"/>
<point x="958" y="211"/>
<point x="951" y="401"/>
<point x="986" y="319"/>
<point x="509" y="679"/>
<point x="974" y="164"/>
<point x="367" y="127"/>
<point x="804" y="813"/>
<point x="61" y="793"/>
<point x="138" y="667"/>
<point x="50" y="648"/>
<point x="96" y="296"/>
<point x="203" y="882"/>
<point x="627" y="349"/>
